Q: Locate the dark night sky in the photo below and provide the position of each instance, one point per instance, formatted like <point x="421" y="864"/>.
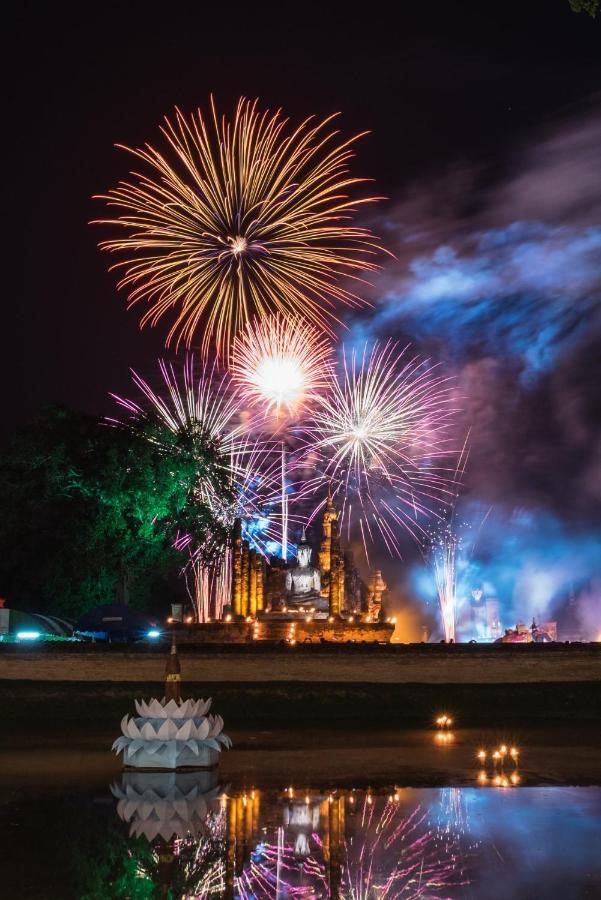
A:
<point x="440" y="85"/>
<point x="485" y="125"/>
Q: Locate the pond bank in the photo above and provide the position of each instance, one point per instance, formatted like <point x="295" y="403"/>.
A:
<point x="282" y="704"/>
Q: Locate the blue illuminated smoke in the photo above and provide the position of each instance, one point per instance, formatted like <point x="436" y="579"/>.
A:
<point x="530" y="562"/>
<point x="528" y="291"/>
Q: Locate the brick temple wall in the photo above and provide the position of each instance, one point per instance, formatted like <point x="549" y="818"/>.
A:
<point x="279" y="631"/>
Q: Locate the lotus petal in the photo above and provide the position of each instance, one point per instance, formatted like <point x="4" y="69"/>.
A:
<point x="202" y="730"/>
<point x="156" y="708"/>
<point x="181" y="808"/>
<point x="185" y="732"/>
<point x="151" y="830"/>
<point x="130" y="808"/>
<point x="216" y="726"/>
<point x="200" y="808"/>
<point x="148" y="732"/>
<point x="132" y="729"/>
<point x="162" y="809"/>
<point x="171" y="709"/>
<point x="167" y="730"/>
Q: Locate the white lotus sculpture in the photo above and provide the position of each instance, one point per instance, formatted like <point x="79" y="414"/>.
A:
<point x="171" y="735"/>
<point x="161" y="805"/>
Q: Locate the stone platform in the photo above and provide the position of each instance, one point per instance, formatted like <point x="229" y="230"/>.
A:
<point x="281" y="628"/>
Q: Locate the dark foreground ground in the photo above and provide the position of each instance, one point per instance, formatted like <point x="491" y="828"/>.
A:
<point x="279" y="704"/>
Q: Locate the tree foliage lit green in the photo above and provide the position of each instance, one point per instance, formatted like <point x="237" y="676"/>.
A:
<point x="88" y="513"/>
<point x="588" y="6"/>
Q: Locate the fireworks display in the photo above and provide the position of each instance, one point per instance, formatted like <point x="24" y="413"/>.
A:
<point x="233" y="473"/>
<point x="378" y="438"/>
<point x="242" y="229"/>
<point x="239" y="218"/>
<point x="201" y="417"/>
<point x="443" y="554"/>
<point x="398" y="853"/>
<point x="281" y="363"/>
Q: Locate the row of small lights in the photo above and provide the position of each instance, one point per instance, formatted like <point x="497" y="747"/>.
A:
<point x="499" y="756"/>
<point x="189" y="620"/>
<point x="351" y="797"/>
<point x="499" y="780"/>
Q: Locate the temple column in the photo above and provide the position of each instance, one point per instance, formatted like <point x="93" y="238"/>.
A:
<point x="336" y="846"/>
<point x="335" y="568"/>
<point x="260" y="561"/>
<point x="230" y="859"/>
<point x="237" y="568"/>
<point x="252" y="583"/>
<point x="325" y="552"/>
<point x="245" y="579"/>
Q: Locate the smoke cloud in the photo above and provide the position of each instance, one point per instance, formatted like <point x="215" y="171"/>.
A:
<point x="499" y="277"/>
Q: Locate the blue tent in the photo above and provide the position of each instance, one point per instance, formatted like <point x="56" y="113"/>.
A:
<point x="114" y="622"/>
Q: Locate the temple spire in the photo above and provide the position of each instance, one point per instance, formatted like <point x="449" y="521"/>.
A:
<point x="173" y="676"/>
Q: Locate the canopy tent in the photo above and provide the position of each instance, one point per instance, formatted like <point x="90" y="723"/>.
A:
<point x="115" y="622"/>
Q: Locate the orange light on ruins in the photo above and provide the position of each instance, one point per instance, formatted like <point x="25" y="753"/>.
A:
<point x="481" y="755"/>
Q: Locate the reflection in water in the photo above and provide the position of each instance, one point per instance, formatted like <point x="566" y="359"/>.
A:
<point x="352" y="844"/>
<point x="184" y="835"/>
<point x="181" y="817"/>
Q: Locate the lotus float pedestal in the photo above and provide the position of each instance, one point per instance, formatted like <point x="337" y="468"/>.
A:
<point x="166" y="736"/>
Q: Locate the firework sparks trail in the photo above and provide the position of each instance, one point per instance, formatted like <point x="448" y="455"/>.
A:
<point x="240" y="218"/>
<point x="281" y="364"/>
<point x="445" y="544"/>
<point x="400" y="855"/>
<point x="444" y="567"/>
<point x="272" y="870"/>
<point x="377" y="439"/>
<point x="198" y="420"/>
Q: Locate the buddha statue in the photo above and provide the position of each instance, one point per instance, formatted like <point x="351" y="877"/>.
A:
<point x="303" y="583"/>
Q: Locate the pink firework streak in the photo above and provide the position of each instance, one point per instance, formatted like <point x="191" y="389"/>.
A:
<point x="400" y="855"/>
<point x="379" y="441"/>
